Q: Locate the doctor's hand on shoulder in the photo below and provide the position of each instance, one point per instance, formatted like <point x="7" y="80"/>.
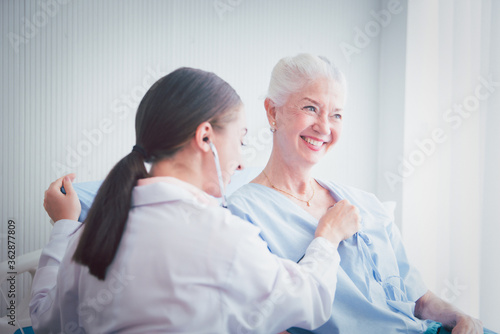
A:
<point x="59" y="205"/>
<point x="339" y="222"/>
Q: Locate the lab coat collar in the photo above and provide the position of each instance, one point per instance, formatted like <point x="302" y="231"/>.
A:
<point x="166" y="189"/>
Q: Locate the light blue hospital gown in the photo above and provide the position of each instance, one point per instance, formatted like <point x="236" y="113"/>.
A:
<point x="377" y="287"/>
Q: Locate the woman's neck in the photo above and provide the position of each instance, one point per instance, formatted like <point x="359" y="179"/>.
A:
<point x="286" y="176"/>
<point x="180" y="168"/>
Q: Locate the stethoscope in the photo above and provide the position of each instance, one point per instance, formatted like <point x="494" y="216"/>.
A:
<point x="219" y="172"/>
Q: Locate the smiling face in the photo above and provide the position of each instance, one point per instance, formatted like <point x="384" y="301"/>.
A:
<point x="309" y="123"/>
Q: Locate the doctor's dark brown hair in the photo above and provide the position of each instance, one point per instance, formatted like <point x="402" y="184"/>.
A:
<point x="166" y="120"/>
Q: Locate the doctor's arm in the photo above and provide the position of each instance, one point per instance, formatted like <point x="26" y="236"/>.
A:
<point x="268" y="294"/>
<point x="43" y="308"/>
<point x="430" y="306"/>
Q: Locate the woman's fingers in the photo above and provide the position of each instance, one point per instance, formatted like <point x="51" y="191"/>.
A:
<point x="339" y="222"/>
<point x="68" y="184"/>
<point x="57" y="184"/>
<point x="59" y="205"/>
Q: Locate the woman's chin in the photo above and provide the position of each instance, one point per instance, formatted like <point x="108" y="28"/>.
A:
<point x="216" y="194"/>
<point x="312" y="159"/>
<point x="213" y="190"/>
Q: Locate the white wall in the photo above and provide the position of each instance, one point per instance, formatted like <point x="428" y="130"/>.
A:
<point x="74" y="72"/>
<point x="490" y="265"/>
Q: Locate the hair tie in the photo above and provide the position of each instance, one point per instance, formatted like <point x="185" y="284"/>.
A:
<point x="138" y="148"/>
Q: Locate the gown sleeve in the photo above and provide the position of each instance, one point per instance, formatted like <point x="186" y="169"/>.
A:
<point x="415" y="286"/>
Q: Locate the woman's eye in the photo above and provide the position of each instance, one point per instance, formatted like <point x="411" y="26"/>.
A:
<point x="310" y="108"/>
<point x="337" y="116"/>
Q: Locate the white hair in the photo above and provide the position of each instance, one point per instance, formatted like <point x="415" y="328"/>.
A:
<point x="291" y="74"/>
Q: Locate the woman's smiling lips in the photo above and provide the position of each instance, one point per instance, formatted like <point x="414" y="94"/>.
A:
<point x="314" y="144"/>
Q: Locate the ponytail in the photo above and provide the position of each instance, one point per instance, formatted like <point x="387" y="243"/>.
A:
<point x="105" y="222"/>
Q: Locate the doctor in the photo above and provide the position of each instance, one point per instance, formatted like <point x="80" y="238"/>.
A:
<point x="157" y="254"/>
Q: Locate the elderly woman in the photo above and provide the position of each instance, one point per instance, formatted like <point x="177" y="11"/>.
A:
<point x="378" y="291"/>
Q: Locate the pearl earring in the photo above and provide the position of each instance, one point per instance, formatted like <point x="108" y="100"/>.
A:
<point x="273" y="129"/>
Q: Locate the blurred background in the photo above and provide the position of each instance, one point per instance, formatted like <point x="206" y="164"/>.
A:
<point x="421" y="123"/>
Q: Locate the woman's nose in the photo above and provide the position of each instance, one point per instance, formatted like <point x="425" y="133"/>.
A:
<point x="322" y="125"/>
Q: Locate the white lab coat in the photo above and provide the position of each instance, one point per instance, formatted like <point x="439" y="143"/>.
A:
<point x="183" y="265"/>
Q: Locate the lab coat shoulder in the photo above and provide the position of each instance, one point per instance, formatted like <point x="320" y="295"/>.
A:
<point x="237" y="225"/>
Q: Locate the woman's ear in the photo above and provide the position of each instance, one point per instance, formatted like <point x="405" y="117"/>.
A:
<point x="203" y="136"/>
<point x="270" y="110"/>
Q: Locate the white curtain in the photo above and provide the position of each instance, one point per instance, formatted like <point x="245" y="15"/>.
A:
<point x="451" y="145"/>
